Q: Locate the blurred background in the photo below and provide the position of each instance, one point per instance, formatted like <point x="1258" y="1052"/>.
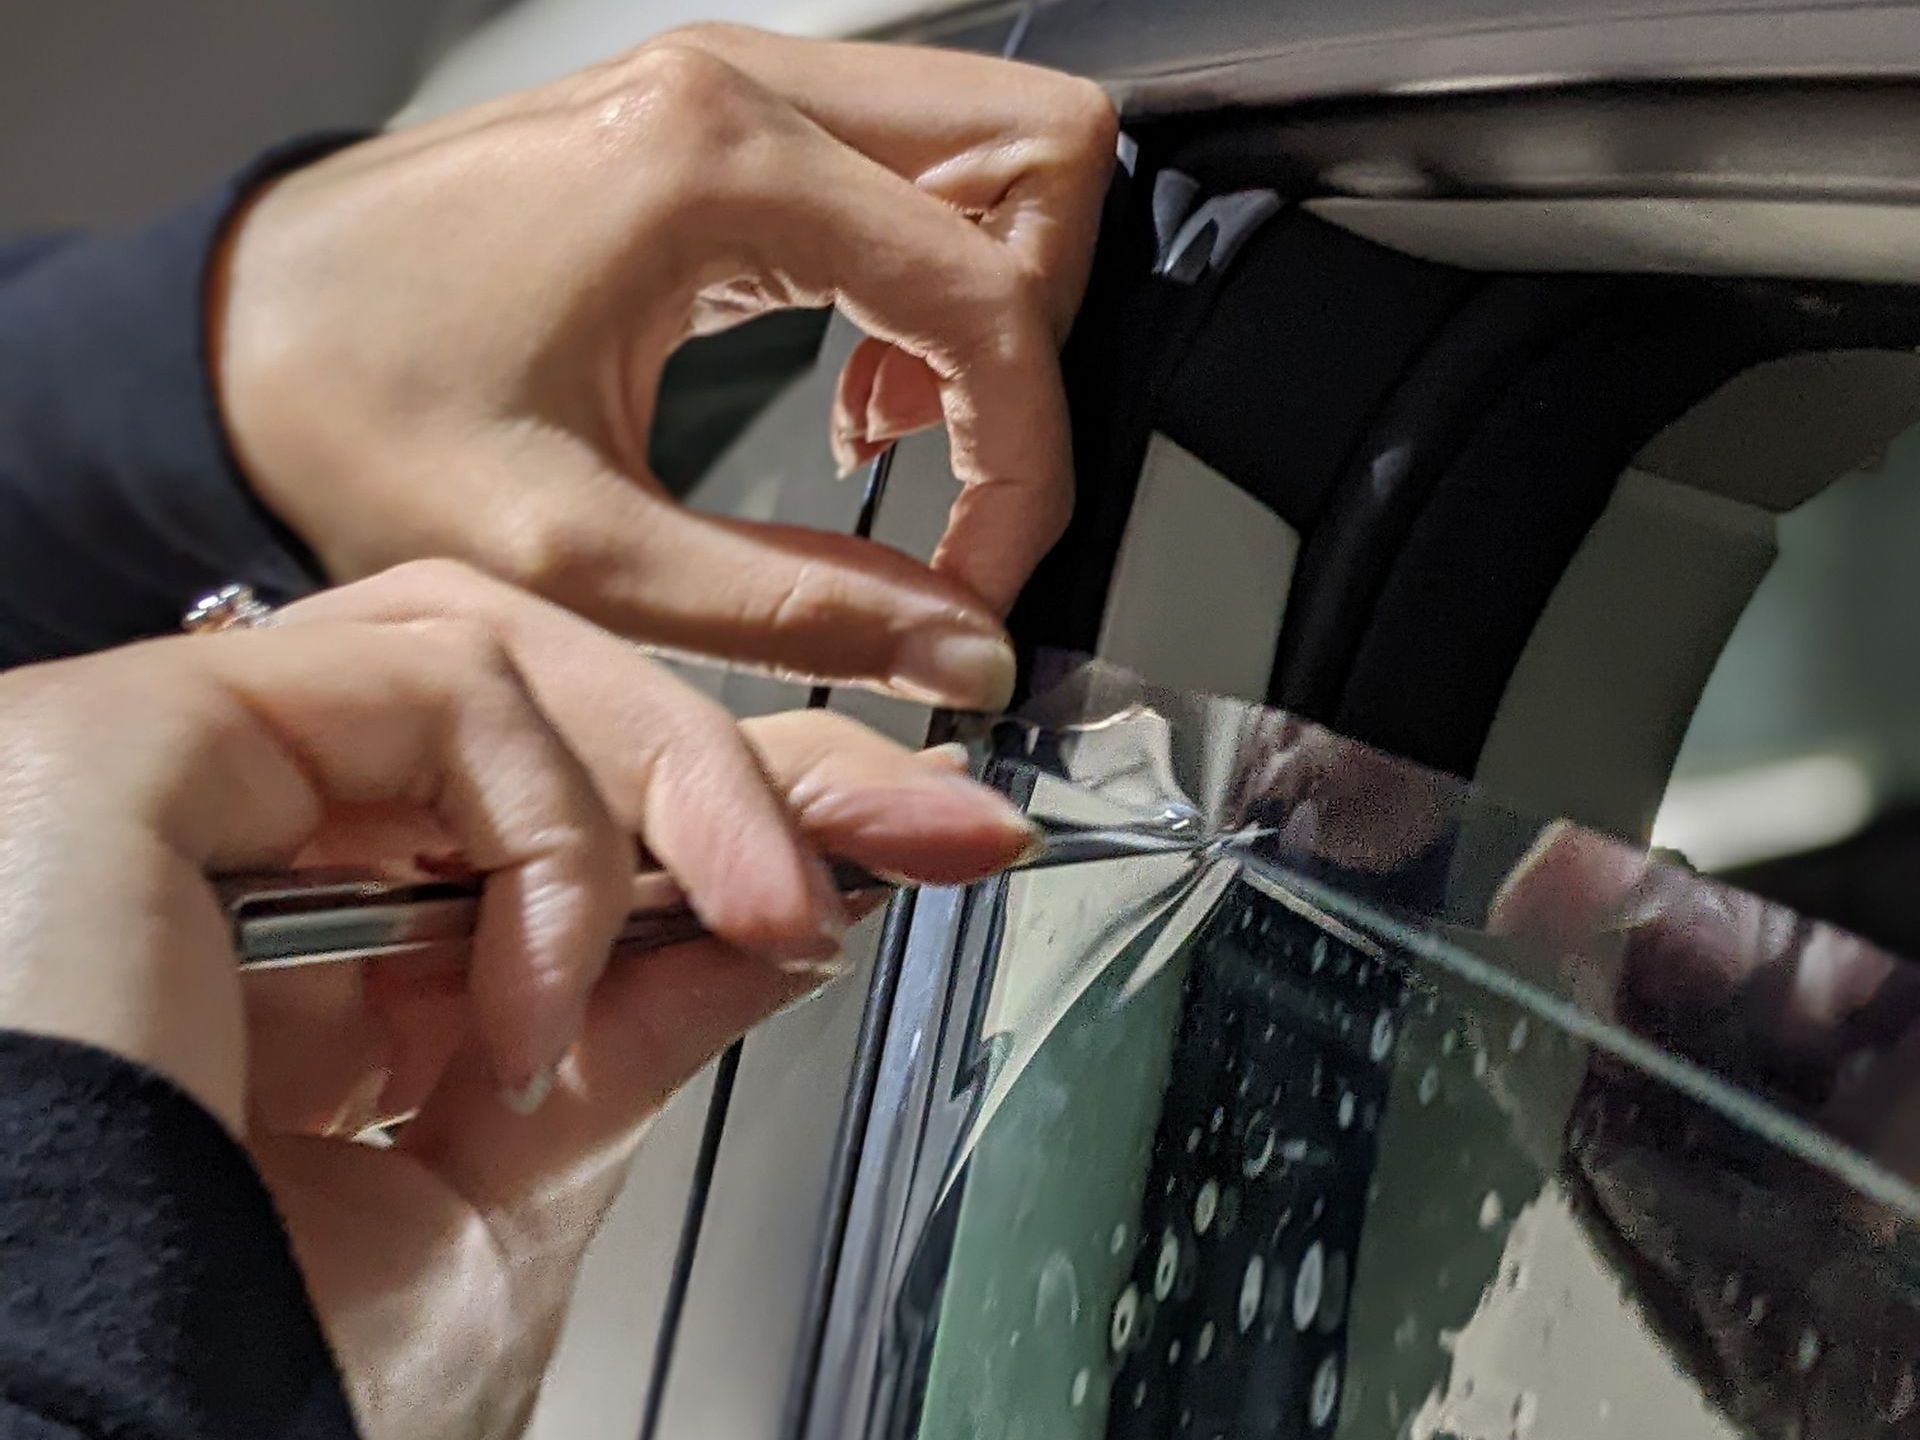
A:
<point x="110" y="110"/>
<point x="1800" y="774"/>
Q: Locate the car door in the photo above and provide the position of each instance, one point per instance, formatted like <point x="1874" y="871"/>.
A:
<point x="1433" y="383"/>
<point x="1472" y="427"/>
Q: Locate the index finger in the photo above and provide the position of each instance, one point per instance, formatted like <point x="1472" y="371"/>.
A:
<point x="911" y="270"/>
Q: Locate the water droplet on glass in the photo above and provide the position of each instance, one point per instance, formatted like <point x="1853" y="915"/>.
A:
<point x="1193" y="1140"/>
<point x="1325" y="1394"/>
<point x="1449" y="1042"/>
<point x="1479" y="1064"/>
<point x="1219" y="1119"/>
<point x="1126" y="1314"/>
<point x="1205" y="1206"/>
<point x="1167" y="1267"/>
<point x="1118" y="1240"/>
<point x="1319" y="956"/>
<point x="1406" y="1332"/>
<point x="1173" y="1353"/>
<point x="1308" y="1284"/>
<point x="1381" y="1040"/>
<point x="1140" y="1395"/>
<point x="1757" y="1311"/>
<point x="1429" y="1085"/>
<point x="1081" y="1382"/>
<point x="1229" y="1220"/>
<point x="1203" y="1346"/>
<point x="1333" y="1293"/>
<point x="1058" y="1292"/>
<point x="1344" y="1114"/>
<point x="1260" y="1143"/>
<point x="1517" y="1037"/>
<point x="1905" y="1392"/>
<point x="1251" y="1285"/>
<point x="1490" y="1210"/>
<point x="1525" y="1408"/>
<point x="1807" y="1354"/>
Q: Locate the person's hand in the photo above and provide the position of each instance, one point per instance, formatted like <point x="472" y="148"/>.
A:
<point x="1744" y="986"/>
<point x="447" y="341"/>
<point x="440" y="1266"/>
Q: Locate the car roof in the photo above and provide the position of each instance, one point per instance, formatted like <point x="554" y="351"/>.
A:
<point x="1202" y="53"/>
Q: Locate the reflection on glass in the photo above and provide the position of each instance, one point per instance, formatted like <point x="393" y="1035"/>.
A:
<point x="1401" y="1115"/>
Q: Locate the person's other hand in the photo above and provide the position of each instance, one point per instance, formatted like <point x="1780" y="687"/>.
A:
<point x="447" y="341"/>
<point x="1809" y="1016"/>
<point x="440" y="1267"/>
<point x="1739" y="1248"/>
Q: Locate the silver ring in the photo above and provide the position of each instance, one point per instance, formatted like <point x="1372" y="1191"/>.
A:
<point x="231" y="607"/>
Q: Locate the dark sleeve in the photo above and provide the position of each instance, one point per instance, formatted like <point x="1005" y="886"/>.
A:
<point x="120" y="501"/>
<point x="18" y="252"/>
<point x="147" y="1290"/>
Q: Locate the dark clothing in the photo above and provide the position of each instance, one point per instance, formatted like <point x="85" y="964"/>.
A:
<point x="120" y="501"/>
<point x="147" y="1290"/>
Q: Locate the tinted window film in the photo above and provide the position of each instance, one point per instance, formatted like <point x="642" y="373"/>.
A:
<point x="1390" y="1112"/>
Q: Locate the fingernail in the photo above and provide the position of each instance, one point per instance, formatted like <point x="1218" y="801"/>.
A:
<point x="807" y="955"/>
<point x="528" y="1099"/>
<point x="991" y="805"/>
<point x="829" y="903"/>
<point x="846" y="443"/>
<point x="949" y="666"/>
<point x="884" y="429"/>
<point x="953" y="755"/>
<point x="362" y="1106"/>
<point x="824" y="968"/>
<point x="1036" y="845"/>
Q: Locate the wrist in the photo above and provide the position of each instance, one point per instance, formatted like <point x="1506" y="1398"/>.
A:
<point x="221" y="312"/>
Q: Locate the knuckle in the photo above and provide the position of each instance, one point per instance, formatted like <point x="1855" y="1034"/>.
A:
<point x="468" y="647"/>
<point x="706" y="35"/>
<point x="436" y="580"/>
<point x="726" y="140"/>
<point x="552" y="556"/>
<point x="702" y="94"/>
<point x="1087" y="116"/>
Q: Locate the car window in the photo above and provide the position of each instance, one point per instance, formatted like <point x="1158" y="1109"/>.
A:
<point x="1800" y="773"/>
<point x="1345" y="1141"/>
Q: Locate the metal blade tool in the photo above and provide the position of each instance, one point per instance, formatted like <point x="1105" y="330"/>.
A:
<point x="326" y="917"/>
